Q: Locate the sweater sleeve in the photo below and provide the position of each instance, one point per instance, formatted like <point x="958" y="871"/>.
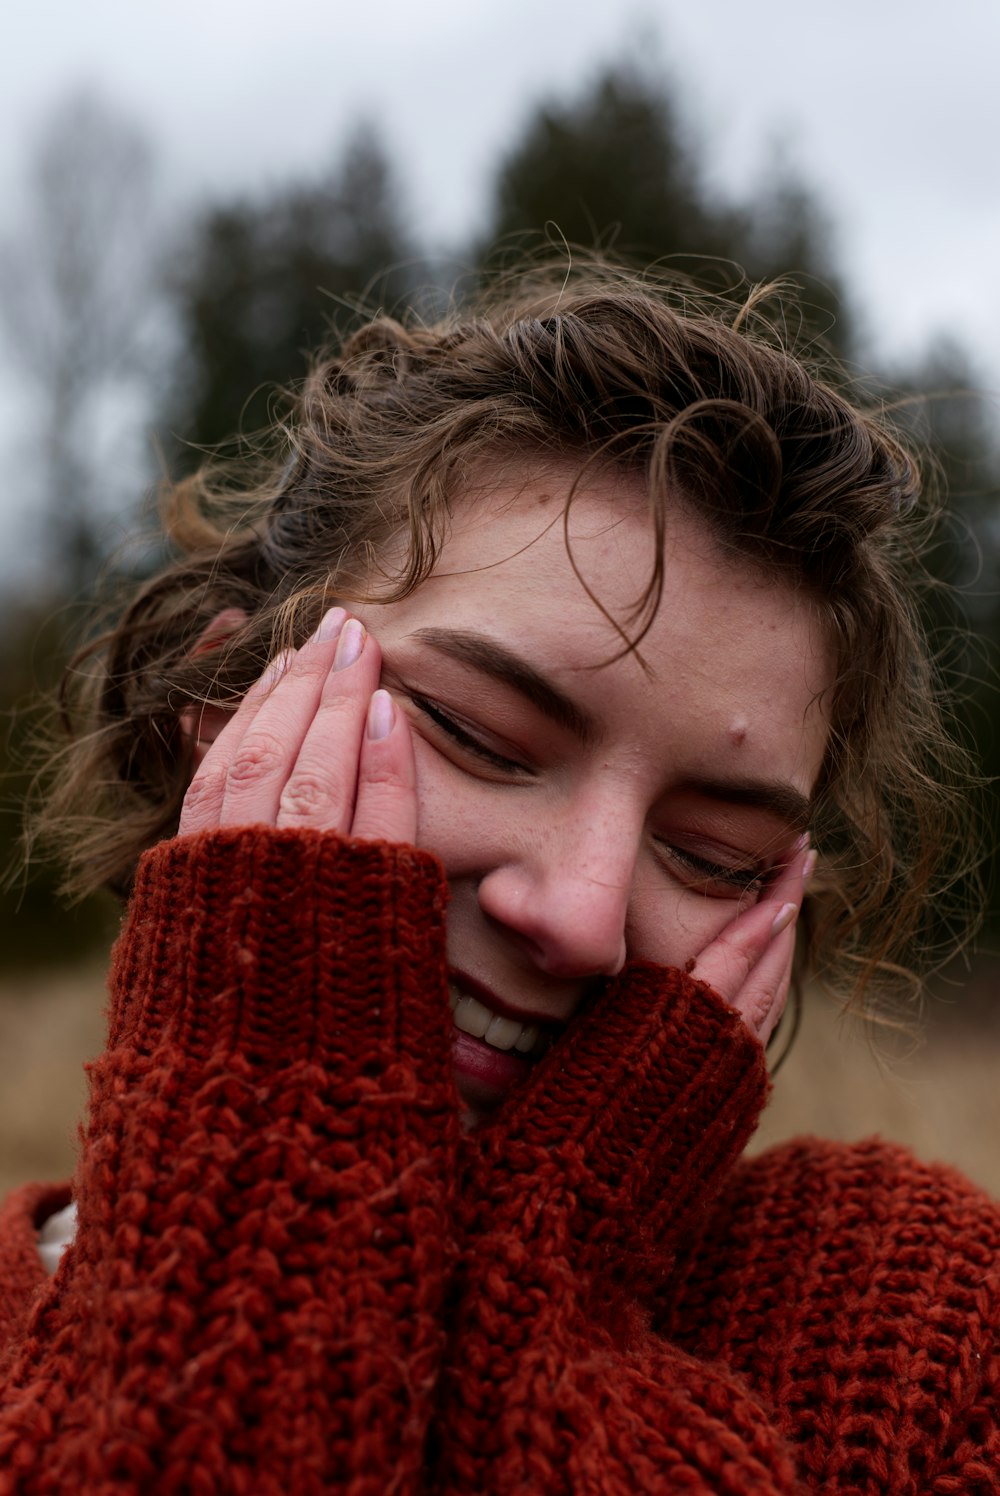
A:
<point x="573" y="1204"/>
<point x="634" y="1314"/>
<point x="858" y="1289"/>
<point x="253" y="1301"/>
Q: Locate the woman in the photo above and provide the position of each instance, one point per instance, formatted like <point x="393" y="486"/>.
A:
<point x="495" y="720"/>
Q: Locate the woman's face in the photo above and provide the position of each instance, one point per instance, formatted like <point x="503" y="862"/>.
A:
<point x="588" y="811"/>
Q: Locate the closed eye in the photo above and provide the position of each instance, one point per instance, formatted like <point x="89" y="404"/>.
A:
<point x="464" y="739"/>
<point x="735" y="881"/>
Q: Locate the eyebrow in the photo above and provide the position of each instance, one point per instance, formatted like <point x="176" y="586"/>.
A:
<point x="491" y="658"/>
<point x="772" y="795"/>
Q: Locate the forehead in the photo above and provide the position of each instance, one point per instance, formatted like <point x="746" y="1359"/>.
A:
<point x="732" y="661"/>
<point x="593" y="558"/>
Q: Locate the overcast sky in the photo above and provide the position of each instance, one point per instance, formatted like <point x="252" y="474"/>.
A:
<point x="890" y="109"/>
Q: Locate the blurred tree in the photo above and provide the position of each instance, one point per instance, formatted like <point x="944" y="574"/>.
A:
<point x="612" y="167"/>
<point x="259" y="283"/>
<point x="37" y="926"/>
<point x="77" y="308"/>
<point x="940" y="401"/>
<point x="78" y="316"/>
<point x="788" y="232"/>
<point x="255" y="286"/>
<point x="616" y="168"/>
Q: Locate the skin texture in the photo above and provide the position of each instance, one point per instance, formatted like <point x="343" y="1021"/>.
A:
<point x="671" y="831"/>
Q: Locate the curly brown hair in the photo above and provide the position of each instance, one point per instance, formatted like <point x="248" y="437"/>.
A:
<point x="601" y="365"/>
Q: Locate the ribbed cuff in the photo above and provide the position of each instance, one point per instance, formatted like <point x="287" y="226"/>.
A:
<point x="647" y="1101"/>
<point x="285" y="945"/>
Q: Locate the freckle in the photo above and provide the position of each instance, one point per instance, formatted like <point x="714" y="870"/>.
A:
<point x="738" y="733"/>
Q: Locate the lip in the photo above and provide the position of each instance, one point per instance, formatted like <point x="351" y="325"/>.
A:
<point x="479" y="990"/>
<point x="485" y="1075"/>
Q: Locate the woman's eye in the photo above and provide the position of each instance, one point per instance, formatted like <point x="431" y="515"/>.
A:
<point x="464" y="739"/>
<point x="713" y="878"/>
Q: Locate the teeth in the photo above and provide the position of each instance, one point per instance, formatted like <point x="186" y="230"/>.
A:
<point x="503" y="1033"/>
<point x="475" y="1018"/>
<point x="472" y="1017"/>
<point x="528" y="1039"/>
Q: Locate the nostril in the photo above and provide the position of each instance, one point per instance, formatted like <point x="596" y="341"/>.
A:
<point x="569" y="925"/>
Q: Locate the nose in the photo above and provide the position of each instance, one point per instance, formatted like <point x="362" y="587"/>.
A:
<point x="565" y="899"/>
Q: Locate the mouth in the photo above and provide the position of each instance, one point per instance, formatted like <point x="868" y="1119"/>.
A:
<point x="492" y="1050"/>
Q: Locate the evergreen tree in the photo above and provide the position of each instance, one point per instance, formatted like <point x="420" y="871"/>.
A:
<point x="615" y="168"/>
<point x="940" y="401"/>
<point x="260" y="283"/>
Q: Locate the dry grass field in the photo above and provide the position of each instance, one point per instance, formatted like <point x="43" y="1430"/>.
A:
<point x="944" y="1100"/>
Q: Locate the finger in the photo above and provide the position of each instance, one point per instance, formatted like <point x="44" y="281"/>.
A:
<point x="265" y="759"/>
<point x="321" y="788"/>
<point x="201" y="725"/>
<point x="750" y="963"/>
<point x="761" y="1000"/>
<point x="727" y="963"/>
<point x="386" y="805"/>
<point x="213" y="758"/>
<point x="220" y="768"/>
<point x="786" y="883"/>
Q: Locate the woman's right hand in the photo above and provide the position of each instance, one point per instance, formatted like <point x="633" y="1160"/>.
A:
<point x="314" y="743"/>
<point x="750" y="964"/>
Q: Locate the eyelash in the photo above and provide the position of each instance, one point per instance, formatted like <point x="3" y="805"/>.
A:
<point x="741" y="880"/>
<point x="464" y="739"/>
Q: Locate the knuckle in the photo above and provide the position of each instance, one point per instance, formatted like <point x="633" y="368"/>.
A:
<point x="205" y="789"/>
<point x="257" y="759"/>
<point x="382" y="777"/>
<point x="759" y="1007"/>
<point x="308" y="796"/>
<point x="740" y="959"/>
<point x="746" y="961"/>
<point x="341" y="701"/>
<point x="205" y="785"/>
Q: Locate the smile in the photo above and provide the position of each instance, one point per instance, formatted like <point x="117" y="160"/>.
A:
<point x="491" y="1051"/>
<point x="474" y="1018"/>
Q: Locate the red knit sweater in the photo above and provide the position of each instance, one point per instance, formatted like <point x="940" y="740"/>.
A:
<point x="293" y="1275"/>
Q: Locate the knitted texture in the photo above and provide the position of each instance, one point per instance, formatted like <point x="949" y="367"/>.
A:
<point x="292" y="1274"/>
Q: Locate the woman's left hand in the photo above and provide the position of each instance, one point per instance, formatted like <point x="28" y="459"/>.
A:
<point x="750" y="964"/>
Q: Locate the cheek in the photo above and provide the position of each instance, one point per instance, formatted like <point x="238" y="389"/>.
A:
<point x="671" y="926"/>
<point x="454" y="819"/>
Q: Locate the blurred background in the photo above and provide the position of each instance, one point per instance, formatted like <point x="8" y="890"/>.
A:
<point x="194" y="194"/>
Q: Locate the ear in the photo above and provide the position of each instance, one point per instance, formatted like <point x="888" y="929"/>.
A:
<point x="200" y="726"/>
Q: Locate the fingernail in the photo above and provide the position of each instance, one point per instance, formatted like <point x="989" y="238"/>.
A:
<point x="330" y="625"/>
<point x="381" y="715"/>
<point x="350" y="644"/>
<point x="784" y="917"/>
